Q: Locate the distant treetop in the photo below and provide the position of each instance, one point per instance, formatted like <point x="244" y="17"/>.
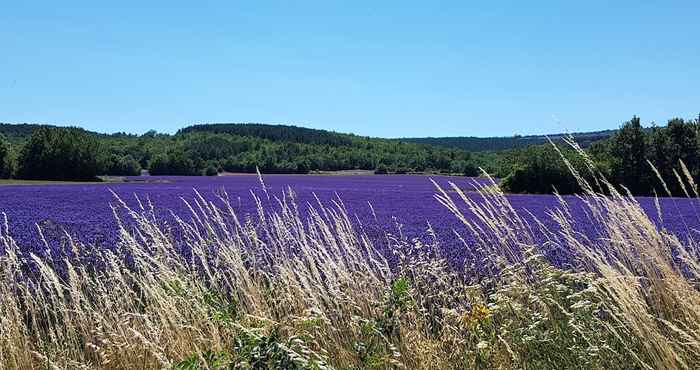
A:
<point x="482" y="144"/>
<point x="289" y="133"/>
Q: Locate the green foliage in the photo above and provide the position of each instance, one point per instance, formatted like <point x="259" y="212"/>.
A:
<point x="59" y="154"/>
<point x="628" y="150"/>
<point x="208" y="149"/>
<point x="5" y="158"/>
<point x="16" y="133"/>
<point x="256" y="345"/>
<point x="623" y="159"/>
<point x="626" y="156"/>
<point x="272" y="351"/>
<point x="485" y="144"/>
<point x="222" y="309"/>
<point x="278" y="149"/>
<point x="375" y="346"/>
<point x="669" y="146"/>
<point x="116" y="165"/>
<point x="551" y="318"/>
<point x="462" y="167"/>
<point x="540" y="169"/>
<point x="175" y="162"/>
<point x="205" y="360"/>
<point x="286" y="133"/>
<point x="211" y="171"/>
<point x="396" y="303"/>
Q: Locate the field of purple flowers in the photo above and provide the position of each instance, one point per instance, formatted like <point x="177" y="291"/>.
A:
<point x="401" y="201"/>
<point x="323" y="272"/>
<point x="402" y="205"/>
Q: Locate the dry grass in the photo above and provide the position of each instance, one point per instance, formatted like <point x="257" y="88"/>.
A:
<point x="312" y="292"/>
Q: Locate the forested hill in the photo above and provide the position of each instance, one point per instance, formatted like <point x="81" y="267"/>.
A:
<point x="481" y="144"/>
<point x="301" y="135"/>
<point x="31" y="151"/>
<point x="48" y="152"/>
<point x="245" y="147"/>
<point x="19" y="131"/>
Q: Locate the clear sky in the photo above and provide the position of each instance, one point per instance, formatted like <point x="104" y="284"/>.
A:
<point x="379" y="68"/>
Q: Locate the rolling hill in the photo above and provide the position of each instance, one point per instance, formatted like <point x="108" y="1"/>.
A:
<point x="480" y="144"/>
<point x="303" y="135"/>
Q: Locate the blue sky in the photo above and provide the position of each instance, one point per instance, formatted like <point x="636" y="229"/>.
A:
<point x="379" y="68"/>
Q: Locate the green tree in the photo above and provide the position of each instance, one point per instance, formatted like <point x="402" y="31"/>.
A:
<point x="540" y="169"/>
<point x="57" y="153"/>
<point x="683" y="143"/>
<point x="117" y="165"/>
<point x="677" y="142"/>
<point x="175" y="163"/>
<point x="211" y="171"/>
<point x="628" y="151"/>
<point x="5" y="158"/>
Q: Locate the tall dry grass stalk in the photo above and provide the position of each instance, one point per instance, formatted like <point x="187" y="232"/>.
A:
<point x="309" y="290"/>
<point x="147" y="305"/>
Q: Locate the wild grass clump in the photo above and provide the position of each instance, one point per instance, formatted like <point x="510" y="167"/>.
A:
<point x="309" y="290"/>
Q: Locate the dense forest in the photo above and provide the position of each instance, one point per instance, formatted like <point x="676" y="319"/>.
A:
<point x="300" y="135"/>
<point x="49" y="152"/>
<point x="482" y="144"/>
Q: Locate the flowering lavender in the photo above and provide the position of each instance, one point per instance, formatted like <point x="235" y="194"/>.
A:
<point x="401" y="205"/>
<point x="194" y="273"/>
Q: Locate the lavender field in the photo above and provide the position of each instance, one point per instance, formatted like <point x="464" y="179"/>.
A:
<point x="400" y="204"/>
<point x="351" y="272"/>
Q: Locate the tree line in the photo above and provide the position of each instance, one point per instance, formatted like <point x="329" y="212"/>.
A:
<point x="60" y="153"/>
<point x="485" y="144"/>
<point x="641" y="161"/>
<point x="625" y="158"/>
